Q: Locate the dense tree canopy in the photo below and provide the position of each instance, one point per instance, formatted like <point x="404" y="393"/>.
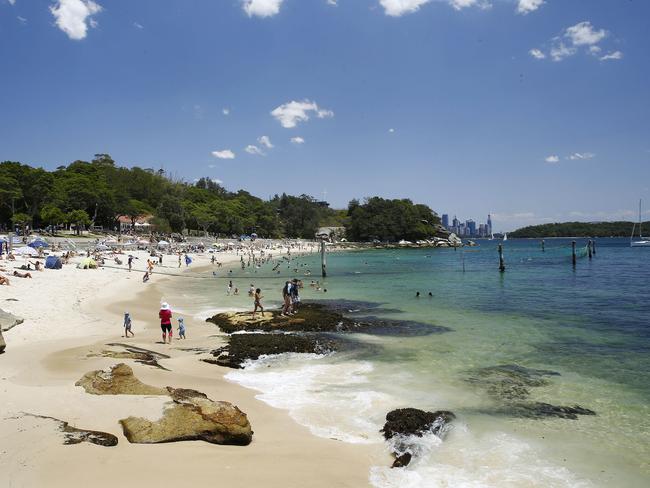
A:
<point x="579" y="229"/>
<point x="98" y="192"/>
<point x="390" y="220"/>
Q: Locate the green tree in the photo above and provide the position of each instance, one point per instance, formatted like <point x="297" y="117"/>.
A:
<point x="22" y="220"/>
<point x="78" y="218"/>
<point x="52" y="214"/>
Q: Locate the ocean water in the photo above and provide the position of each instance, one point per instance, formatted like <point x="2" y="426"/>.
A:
<point x="588" y="325"/>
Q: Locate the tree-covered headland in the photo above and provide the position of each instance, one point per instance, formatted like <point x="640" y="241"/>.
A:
<point x="98" y="192"/>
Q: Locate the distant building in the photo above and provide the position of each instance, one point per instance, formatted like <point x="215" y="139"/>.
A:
<point x="445" y="221"/>
<point x="489" y="225"/>
<point x="471" y="227"/>
<point x="142" y="224"/>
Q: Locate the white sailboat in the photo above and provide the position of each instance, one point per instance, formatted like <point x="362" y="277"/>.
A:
<point x="643" y="241"/>
<point x="505" y="236"/>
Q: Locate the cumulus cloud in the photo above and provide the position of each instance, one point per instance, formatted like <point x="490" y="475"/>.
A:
<point x="580" y="156"/>
<point x="224" y="154"/>
<point x="262" y="8"/>
<point x="265" y="141"/>
<point x="291" y="113"/>
<point x="559" y="51"/>
<point x="526" y="6"/>
<point x="74" y="16"/>
<point x="256" y="151"/>
<point x="552" y="159"/>
<point x="461" y="4"/>
<point x="391" y="130"/>
<point x="333" y="3"/>
<point x="584" y="34"/>
<point x="297" y="140"/>
<point x="537" y="54"/>
<point x="225" y="111"/>
<point x="612" y="55"/>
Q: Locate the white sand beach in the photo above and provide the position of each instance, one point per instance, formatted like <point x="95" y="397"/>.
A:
<point x="70" y="315"/>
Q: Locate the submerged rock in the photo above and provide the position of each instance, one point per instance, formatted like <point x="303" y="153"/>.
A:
<point x="510" y="381"/>
<point x="191" y="416"/>
<point x="138" y="354"/>
<point x="118" y="380"/>
<point x="243" y="347"/>
<point x="540" y="410"/>
<point x="9" y="321"/>
<point x="404" y="422"/>
<point x="73" y="435"/>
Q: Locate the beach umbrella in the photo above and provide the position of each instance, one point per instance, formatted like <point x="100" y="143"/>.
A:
<point x="163" y="243"/>
<point x="25" y="251"/>
<point x="38" y="242"/>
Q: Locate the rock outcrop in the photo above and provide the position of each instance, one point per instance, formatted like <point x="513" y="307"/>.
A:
<point x="403" y="423"/>
<point x="8" y="321"/>
<point x="243" y="347"/>
<point x="3" y="345"/>
<point x="73" y="435"/>
<point x="138" y="354"/>
<point x="118" y="380"/>
<point x="191" y="416"/>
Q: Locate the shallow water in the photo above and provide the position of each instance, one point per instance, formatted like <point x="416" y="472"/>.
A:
<point x="590" y="324"/>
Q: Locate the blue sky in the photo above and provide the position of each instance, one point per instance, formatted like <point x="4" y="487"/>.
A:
<point x="532" y="110"/>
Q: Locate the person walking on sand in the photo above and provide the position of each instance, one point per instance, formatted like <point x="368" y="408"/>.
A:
<point x="127" y="325"/>
<point x="181" y="328"/>
<point x="179" y="260"/>
<point x="229" y="290"/>
<point x="165" y="315"/>
<point x="130" y="261"/>
<point x="257" y="302"/>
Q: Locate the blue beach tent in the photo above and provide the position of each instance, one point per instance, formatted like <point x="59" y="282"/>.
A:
<point x="36" y="243"/>
<point x="53" y="262"/>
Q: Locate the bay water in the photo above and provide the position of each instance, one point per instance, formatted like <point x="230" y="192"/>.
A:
<point x="586" y="328"/>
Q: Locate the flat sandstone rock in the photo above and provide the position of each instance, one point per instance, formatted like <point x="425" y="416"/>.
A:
<point x="9" y="321"/>
<point x="118" y="380"/>
<point x="191" y="416"/>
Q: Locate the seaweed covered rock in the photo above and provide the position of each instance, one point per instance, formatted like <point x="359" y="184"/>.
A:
<point x="312" y="317"/>
<point x="117" y="380"/>
<point x="540" y="410"/>
<point x="509" y="381"/>
<point x="73" y="435"/>
<point x="403" y="423"/>
<point x="138" y="354"/>
<point x="191" y="416"/>
<point x="243" y="347"/>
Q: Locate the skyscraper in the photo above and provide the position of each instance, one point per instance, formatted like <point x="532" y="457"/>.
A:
<point x="445" y="221"/>
<point x="489" y="225"/>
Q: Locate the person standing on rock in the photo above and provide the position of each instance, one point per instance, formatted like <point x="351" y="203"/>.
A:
<point x="165" y="315"/>
<point x="258" y="302"/>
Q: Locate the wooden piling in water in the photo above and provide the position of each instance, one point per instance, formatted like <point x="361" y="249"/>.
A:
<point x="502" y="264"/>
<point x="589" y="244"/>
<point x="574" y="258"/>
<point x="543" y="250"/>
<point x="323" y="260"/>
<point x="593" y="246"/>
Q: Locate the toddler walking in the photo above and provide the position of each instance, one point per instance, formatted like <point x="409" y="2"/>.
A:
<point x="181" y="328"/>
<point x="127" y="325"/>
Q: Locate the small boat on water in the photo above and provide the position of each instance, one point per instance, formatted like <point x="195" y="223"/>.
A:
<point x="505" y="236"/>
<point x="643" y="241"/>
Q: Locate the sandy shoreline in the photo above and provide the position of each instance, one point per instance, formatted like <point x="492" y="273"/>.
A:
<point x="72" y="313"/>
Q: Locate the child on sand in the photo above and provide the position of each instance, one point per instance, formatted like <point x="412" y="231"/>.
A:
<point x="127" y="325"/>
<point x="181" y="328"/>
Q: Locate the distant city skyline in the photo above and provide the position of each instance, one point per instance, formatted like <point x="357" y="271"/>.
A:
<point x="537" y="110"/>
<point x="468" y="227"/>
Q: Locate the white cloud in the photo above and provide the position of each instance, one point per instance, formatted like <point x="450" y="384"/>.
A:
<point x="333" y="3"/>
<point x="391" y="130"/>
<point x="212" y="166"/>
<point x="251" y="149"/>
<point x="22" y="19"/>
<point x="224" y="154"/>
<point x="138" y="25"/>
<point x="262" y="8"/>
<point x="526" y="6"/>
<point x="595" y="50"/>
<point x="225" y="111"/>
<point x="583" y="34"/>
<point x="297" y="140"/>
<point x="552" y="159"/>
<point x="397" y="8"/>
<point x="217" y="181"/>
<point x="265" y="141"/>
<point x="289" y="114"/>
<point x="12" y="2"/>
<point x="580" y="156"/>
<point x="559" y="51"/>
<point x="613" y="55"/>
<point x="72" y="16"/>
<point x="537" y="54"/>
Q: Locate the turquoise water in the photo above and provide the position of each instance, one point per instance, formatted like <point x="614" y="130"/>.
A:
<point x="590" y="324"/>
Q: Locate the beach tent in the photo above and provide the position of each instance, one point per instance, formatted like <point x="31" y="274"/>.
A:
<point x="25" y="251"/>
<point x="163" y="244"/>
<point x="102" y="247"/>
<point x="53" y="262"/>
<point x="38" y="242"/>
<point x="88" y="263"/>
